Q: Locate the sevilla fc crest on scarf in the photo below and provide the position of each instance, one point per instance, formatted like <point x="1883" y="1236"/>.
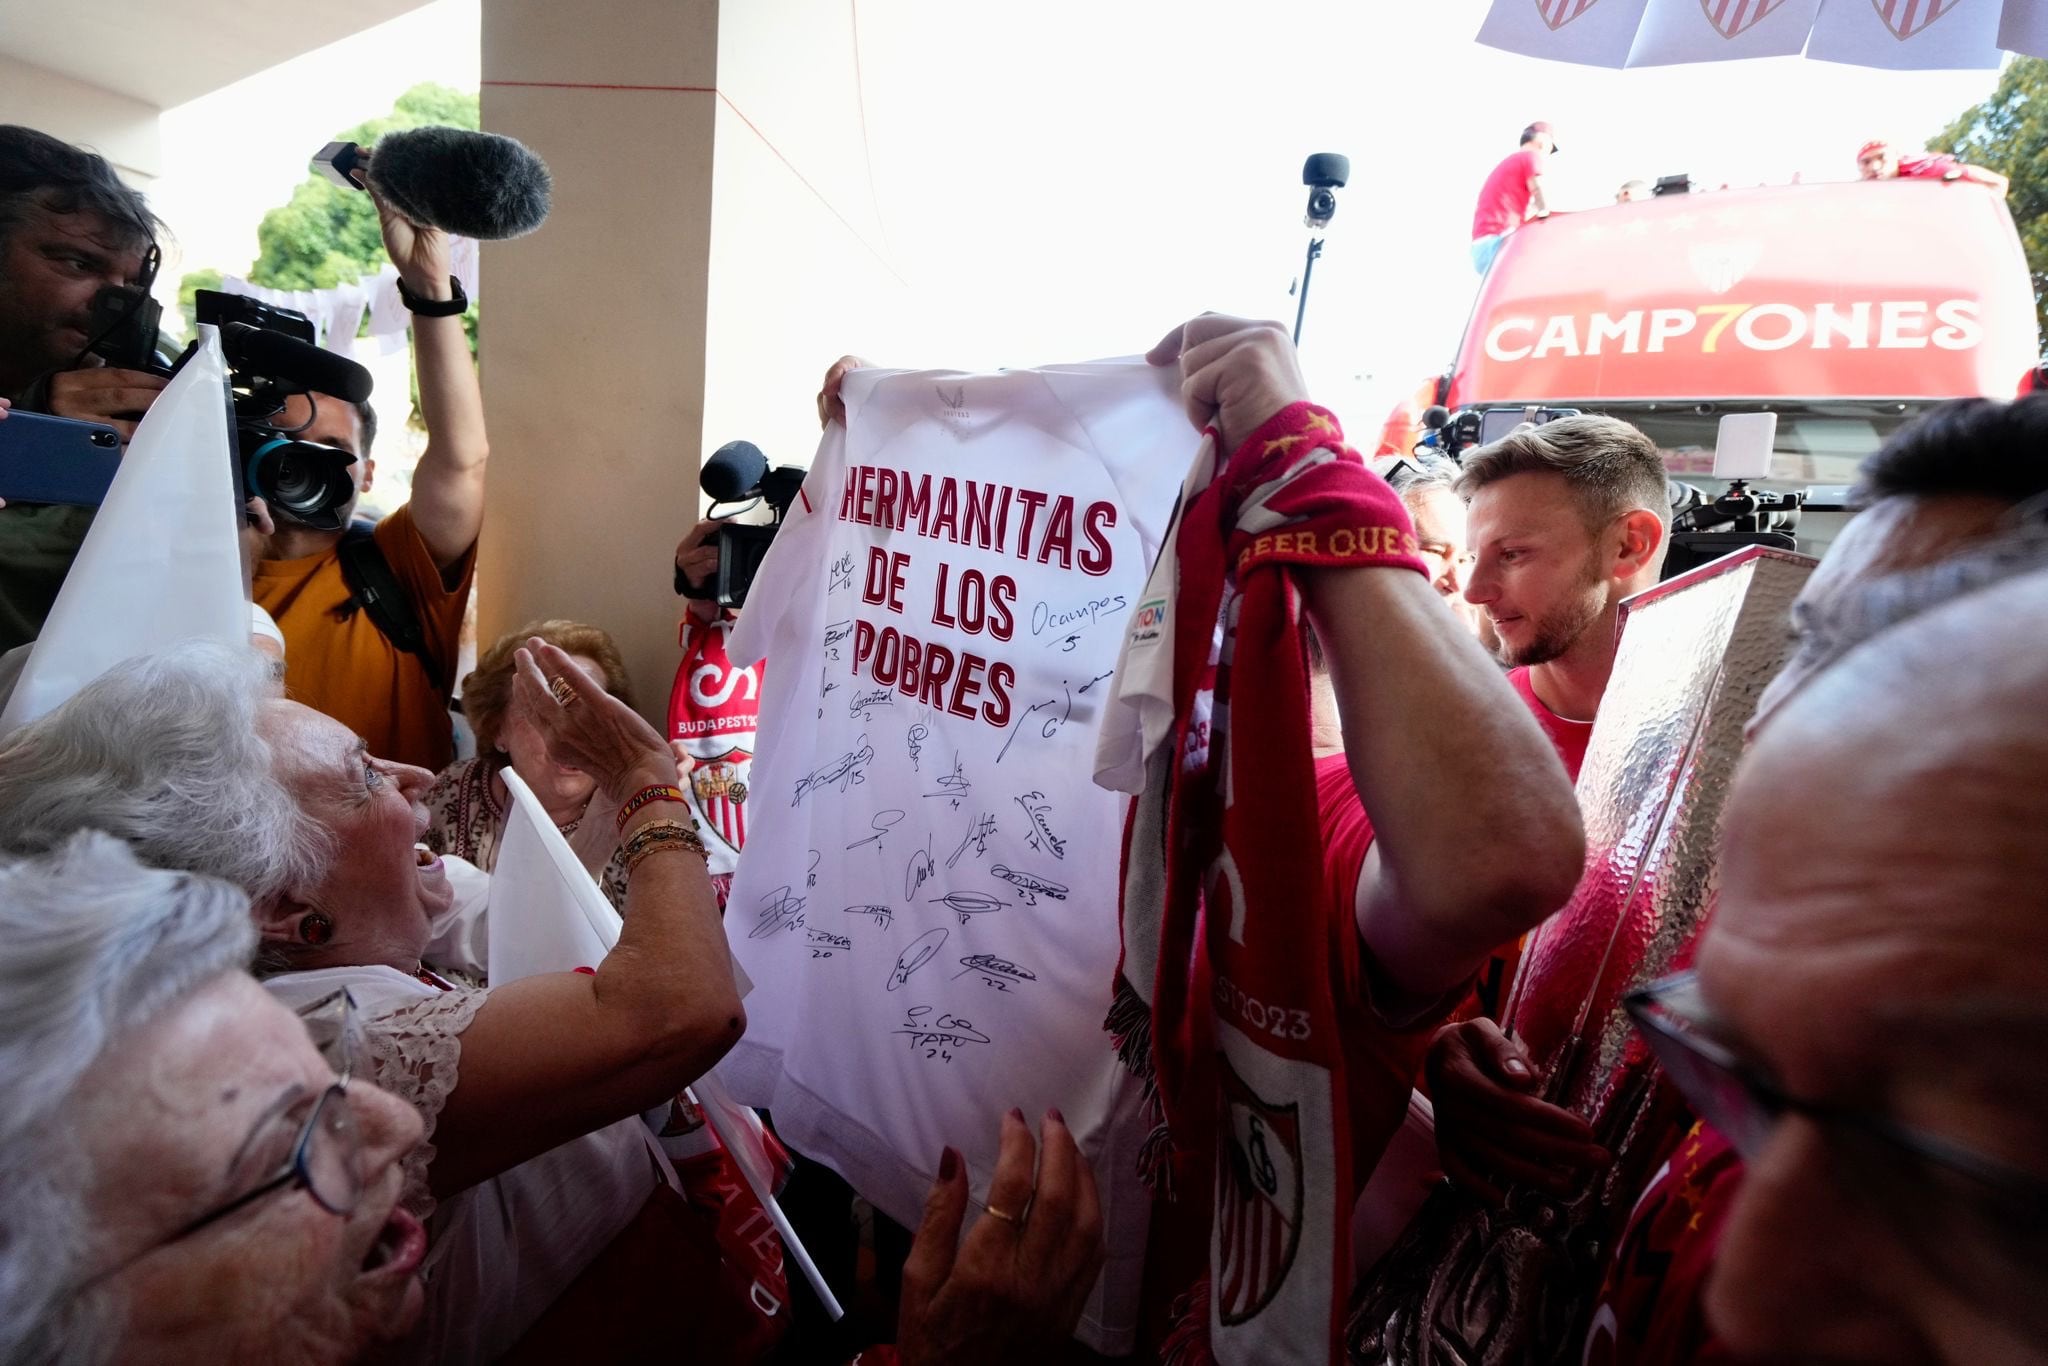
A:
<point x="1258" y="1197"/>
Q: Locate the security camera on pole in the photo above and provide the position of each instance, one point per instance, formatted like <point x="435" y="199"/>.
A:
<point x="1325" y="173"/>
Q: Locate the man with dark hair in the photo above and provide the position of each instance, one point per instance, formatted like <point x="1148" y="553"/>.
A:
<point x="68" y="228"/>
<point x="1512" y="194"/>
<point x="1961" y="478"/>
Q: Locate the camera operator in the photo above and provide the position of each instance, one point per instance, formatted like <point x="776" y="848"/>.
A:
<point x="341" y="656"/>
<point x="68" y="227"/>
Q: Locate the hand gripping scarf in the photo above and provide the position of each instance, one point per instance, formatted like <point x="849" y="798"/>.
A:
<point x="1236" y="970"/>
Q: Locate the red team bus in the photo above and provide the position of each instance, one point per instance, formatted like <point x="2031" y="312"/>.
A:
<point x="1845" y="309"/>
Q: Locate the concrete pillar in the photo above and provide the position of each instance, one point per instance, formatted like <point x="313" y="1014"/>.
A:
<point x="715" y="243"/>
<point x="592" y="333"/>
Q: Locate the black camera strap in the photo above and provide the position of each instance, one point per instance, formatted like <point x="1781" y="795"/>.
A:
<point x="375" y="589"/>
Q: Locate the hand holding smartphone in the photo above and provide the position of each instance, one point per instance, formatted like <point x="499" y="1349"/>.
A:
<point x="55" y="459"/>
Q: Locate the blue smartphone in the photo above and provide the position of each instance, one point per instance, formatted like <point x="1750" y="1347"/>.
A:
<point x="56" y="459"/>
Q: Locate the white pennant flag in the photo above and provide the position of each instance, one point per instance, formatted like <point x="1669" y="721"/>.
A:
<point x="1589" y="32"/>
<point x="162" y="562"/>
<point x="548" y="915"/>
<point x="1675" y="31"/>
<point x="1909" y="35"/>
<point x="2025" y="28"/>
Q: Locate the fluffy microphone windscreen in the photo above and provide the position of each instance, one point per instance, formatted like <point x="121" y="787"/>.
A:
<point x="477" y="184"/>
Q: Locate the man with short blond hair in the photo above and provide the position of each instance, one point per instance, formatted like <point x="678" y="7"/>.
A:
<point x="1566" y="519"/>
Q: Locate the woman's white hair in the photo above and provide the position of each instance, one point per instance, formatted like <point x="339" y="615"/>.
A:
<point x="163" y="751"/>
<point x="92" y="946"/>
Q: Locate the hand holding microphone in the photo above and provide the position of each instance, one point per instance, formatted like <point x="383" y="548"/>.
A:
<point x="478" y="185"/>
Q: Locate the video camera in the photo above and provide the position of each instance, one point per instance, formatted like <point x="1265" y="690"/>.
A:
<point x="1705" y="527"/>
<point x="736" y="473"/>
<point x="1452" y="434"/>
<point x="272" y="353"/>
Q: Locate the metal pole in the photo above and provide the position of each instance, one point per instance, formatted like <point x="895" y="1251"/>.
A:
<point x="1315" y="249"/>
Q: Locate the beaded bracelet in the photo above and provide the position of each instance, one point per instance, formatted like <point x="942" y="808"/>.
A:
<point x="667" y="847"/>
<point x="663" y="832"/>
<point x="660" y="792"/>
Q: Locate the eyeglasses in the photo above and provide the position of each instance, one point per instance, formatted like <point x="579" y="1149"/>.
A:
<point x="1976" y="1215"/>
<point x="336" y="1029"/>
<point x="311" y="1142"/>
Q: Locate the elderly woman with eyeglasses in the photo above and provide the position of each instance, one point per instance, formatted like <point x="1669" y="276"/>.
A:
<point x="183" y="1176"/>
<point x="535" y="1169"/>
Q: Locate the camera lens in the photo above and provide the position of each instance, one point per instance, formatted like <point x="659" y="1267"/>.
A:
<point x="302" y="480"/>
<point x="294" y="485"/>
<point x="106" y="441"/>
<point x="1322" y="203"/>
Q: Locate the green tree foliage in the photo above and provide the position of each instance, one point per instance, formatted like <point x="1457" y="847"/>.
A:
<point x="327" y="235"/>
<point x="2009" y="134"/>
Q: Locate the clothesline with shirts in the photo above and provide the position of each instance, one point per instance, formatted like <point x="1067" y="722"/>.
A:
<point x="337" y="312"/>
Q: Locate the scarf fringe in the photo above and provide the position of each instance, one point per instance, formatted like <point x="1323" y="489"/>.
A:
<point x="1187" y="1339"/>
<point x="1129" y="1025"/>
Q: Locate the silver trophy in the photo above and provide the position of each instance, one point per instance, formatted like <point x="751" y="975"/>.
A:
<point x="1470" y="1285"/>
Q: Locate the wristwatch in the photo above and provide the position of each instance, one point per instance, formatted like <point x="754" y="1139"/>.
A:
<point x="456" y="302"/>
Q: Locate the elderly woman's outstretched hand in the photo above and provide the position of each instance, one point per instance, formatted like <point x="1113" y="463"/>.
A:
<point x="586" y="727"/>
<point x="1018" y="1282"/>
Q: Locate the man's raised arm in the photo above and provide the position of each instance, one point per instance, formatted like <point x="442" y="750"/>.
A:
<point x="448" y="487"/>
<point x="1477" y="832"/>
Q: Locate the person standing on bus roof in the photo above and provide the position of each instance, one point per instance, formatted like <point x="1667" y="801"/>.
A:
<point x="1512" y="195"/>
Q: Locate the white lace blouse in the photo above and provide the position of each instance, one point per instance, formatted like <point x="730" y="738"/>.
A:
<point x="503" y="1250"/>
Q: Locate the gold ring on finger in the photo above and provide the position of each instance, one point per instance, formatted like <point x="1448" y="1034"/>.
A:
<point x="564" y="692"/>
<point x="1004" y="1215"/>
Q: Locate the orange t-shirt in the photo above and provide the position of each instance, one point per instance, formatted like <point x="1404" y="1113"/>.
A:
<point x="338" y="662"/>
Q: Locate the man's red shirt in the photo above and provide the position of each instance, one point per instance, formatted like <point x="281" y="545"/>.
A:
<point x="1504" y="198"/>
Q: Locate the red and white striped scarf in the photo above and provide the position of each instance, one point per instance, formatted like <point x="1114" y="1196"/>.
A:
<point x="1230" y="988"/>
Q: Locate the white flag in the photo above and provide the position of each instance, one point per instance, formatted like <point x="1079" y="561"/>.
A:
<point x="547" y="912"/>
<point x="1675" y="31"/>
<point x="1589" y="32"/>
<point x="2025" y="28"/>
<point x="162" y="562"/>
<point x="1908" y="35"/>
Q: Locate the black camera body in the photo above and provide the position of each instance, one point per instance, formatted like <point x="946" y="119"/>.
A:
<point x="1705" y="527"/>
<point x="735" y="473"/>
<point x="123" y="327"/>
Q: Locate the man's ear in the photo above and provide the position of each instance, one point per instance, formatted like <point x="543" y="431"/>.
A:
<point x="369" y="473"/>
<point x="1639" y="544"/>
